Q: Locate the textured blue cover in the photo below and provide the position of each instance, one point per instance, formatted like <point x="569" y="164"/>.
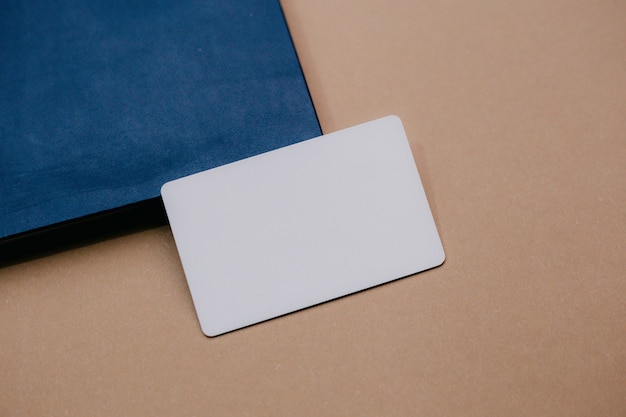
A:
<point x="101" y="102"/>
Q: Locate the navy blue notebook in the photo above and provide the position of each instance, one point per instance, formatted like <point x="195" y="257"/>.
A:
<point x="101" y="102"/>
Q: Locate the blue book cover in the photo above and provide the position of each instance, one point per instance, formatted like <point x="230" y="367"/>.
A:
<point x="101" y="102"/>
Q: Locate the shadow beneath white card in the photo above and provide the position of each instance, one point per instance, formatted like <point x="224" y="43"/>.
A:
<point x="339" y="298"/>
<point x="83" y="231"/>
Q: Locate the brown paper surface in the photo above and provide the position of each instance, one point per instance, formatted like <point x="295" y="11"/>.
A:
<point x="516" y="113"/>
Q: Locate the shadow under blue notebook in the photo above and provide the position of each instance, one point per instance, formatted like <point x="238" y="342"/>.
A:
<point x="101" y="102"/>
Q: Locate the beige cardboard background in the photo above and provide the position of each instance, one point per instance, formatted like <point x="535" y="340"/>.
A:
<point x="516" y="113"/>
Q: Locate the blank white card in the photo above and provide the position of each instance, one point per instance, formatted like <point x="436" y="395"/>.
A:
<point x="300" y="225"/>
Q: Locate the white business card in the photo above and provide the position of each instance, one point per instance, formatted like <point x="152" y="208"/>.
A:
<point x="301" y="225"/>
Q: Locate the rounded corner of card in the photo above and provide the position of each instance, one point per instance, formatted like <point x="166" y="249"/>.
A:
<point x="165" y="189"/>
<point x="440" y="259"/>
<point x="394" y="118"/>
